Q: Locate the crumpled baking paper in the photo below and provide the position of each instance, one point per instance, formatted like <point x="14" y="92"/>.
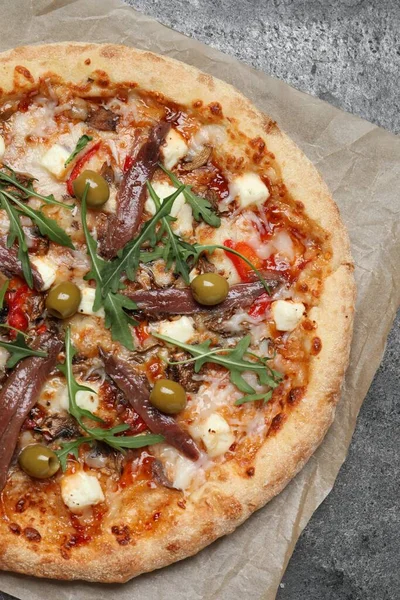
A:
<point x="361" y="164"/>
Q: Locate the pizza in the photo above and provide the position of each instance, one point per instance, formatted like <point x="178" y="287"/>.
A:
<point x="177" y="301"/>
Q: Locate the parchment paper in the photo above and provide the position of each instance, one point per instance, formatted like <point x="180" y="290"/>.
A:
<point x="361" y="164"/>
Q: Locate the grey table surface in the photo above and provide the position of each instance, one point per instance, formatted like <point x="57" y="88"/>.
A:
<point x="348" y="53"/>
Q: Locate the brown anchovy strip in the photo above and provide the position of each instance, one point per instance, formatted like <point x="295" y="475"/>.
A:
<point x="20" y="393"/>
<point x="176" y="301"/>
<point x="10" y="265"/>
<point x="135" y="387"/>
<point x="132" y="193"/>
<point x="103" y="119"/>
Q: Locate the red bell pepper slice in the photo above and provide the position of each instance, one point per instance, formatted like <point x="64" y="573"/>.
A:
<point x="76" y="171"/>
<point x="243" y="269"/>
<point x="260" y="306"/>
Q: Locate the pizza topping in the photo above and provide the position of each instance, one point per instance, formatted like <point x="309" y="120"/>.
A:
<point x="249" y="189"/>
<point x="98" y="191"/>
<point x="63" y="300"/>
<point x="2" y="147"/>
<point x="46" y="269"/>
<point x="38" y="461"/>
<point x="11" y="265"/>
<point x="135" y="388"/>
<point x="80" y="145"/>
<point x="19" y="394"/>
<point x="18" y="349"/>
<point x="209" y="289"/>
<point x="180" y="301"/>
<point x="181" y="329"/>
<point x="173" y="149"/>
<point x="54" y="160"/>
<point x="78" y="167"/>
<point x="286" y="314"/>
<point x="215" y="434"/>
<point x="81" y="490"/>
<point x="168" y="396"/>
<point x="86" y="306"/>
<point x="103" y="119"/>
<point x="132" y="193"/>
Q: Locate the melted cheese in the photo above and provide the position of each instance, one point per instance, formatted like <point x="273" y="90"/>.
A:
<point x="215" y="434"/>
<point x="87" y="301"/>
<point x="2" y="147"/>
<point x="249" y="189"/>
<point x="174" y="149"/>
<point x="180" y="210"/>
<point x="47" y="270"/>
<point x="286" y="314"/>
<point x="208" y="135"/>
<point x="81" y="490"/>
<point x="181" y="330"/>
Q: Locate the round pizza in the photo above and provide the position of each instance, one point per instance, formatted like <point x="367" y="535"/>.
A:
<point x="177" y="300"/>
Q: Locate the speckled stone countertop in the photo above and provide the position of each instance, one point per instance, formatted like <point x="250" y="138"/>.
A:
<point x="346" y="52"/>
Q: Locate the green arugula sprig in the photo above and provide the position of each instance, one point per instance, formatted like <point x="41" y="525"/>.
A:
<point x="175" y="250"/>
<point x="201" y="207"/>
<point x="94" y="434"/>
<point x="129" y="257"/>
<point x="3" y="291"/>
<point x="234" y="360"/>
<point x="80" y="145"/>
<point x="18" y="348"/>
<point x="114" y="304"/>
<point x="17" y="233"/>
<point x="27" y="191"/>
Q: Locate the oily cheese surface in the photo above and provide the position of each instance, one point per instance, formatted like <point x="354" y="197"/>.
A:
<point x="227" y="498"/>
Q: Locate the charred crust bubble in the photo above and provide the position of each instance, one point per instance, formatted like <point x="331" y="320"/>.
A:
<point x="122" y="534"/>
<point x="295" y="395"/>
<point x="250" y="472"/>
<point x="15" y="528"/>
<point x="316" y="346"/>
<point x="32" y="535"/>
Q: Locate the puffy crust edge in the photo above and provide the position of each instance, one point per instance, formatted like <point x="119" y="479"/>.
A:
<point x="218" y="507"/>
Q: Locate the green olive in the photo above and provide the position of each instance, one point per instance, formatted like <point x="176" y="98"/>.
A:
<point x="209" y="289"/>
<point x="63" y="300"/>
<point x="98" y="192"/>
<point x="168" y="396"/>
<point x="38" y="461"/>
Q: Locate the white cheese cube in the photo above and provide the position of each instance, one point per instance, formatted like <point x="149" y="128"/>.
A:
<point x="3" y="358"/>
<point x="81" y="490"/>
<point x="54" y="160"/>
<point x="47" y="270"/>
<point x="174" y="149"/>
<point x="2" y="147"/>
<point x="215" y="434"/>
<point x="249" y="189"/>
<point x="181" y="330"/>
<point x="287" y="314"/>
<point x="87" y="301"/>
<point x="185" y="470"/>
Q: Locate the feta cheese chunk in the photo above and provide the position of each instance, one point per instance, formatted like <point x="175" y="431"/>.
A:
<point x="2" y="147"/>
<point x="47" y="270"/>
<point x="249" y="189"/>
<point x="181" y="330"/>
<point x="174" y="149"/>
<point x="54" y="160"/>
<point x="87" y="301"/>
<point x="215" y="434"/>
<point x="81" y="490"/>
<point x="287" y="314"/>
<point x="88" y="400"/>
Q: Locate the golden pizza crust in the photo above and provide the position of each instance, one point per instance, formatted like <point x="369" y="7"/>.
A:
<point x="223" y="503"/>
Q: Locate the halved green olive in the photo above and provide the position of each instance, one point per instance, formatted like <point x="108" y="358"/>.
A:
<point x="209" y="289"/>
<point x="98" y="192"/>
<point x="168" y="396"/>
<point x="38" y="461"/>
<point x="63" y="300"/>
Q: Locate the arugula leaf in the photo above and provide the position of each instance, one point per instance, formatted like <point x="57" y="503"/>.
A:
<point x="81" y="144"/>
<point x="47" y="226"/>
<point x="233" y="360"/>
<point x="114" y="304"/>
<point x="174" y="248"/>
<point x="107" y="436"/>
<point x="73" y="386"/>
<point x="17" y="233"/>
<point x="3" y="291"/>
<point x="254" y="397"/>
<point x="201" y="207"/>
<point x="19" y="349"/>
<point x="28" y="190"/>
<point x="129" y="258"/>
<point x="70" y="448"/>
